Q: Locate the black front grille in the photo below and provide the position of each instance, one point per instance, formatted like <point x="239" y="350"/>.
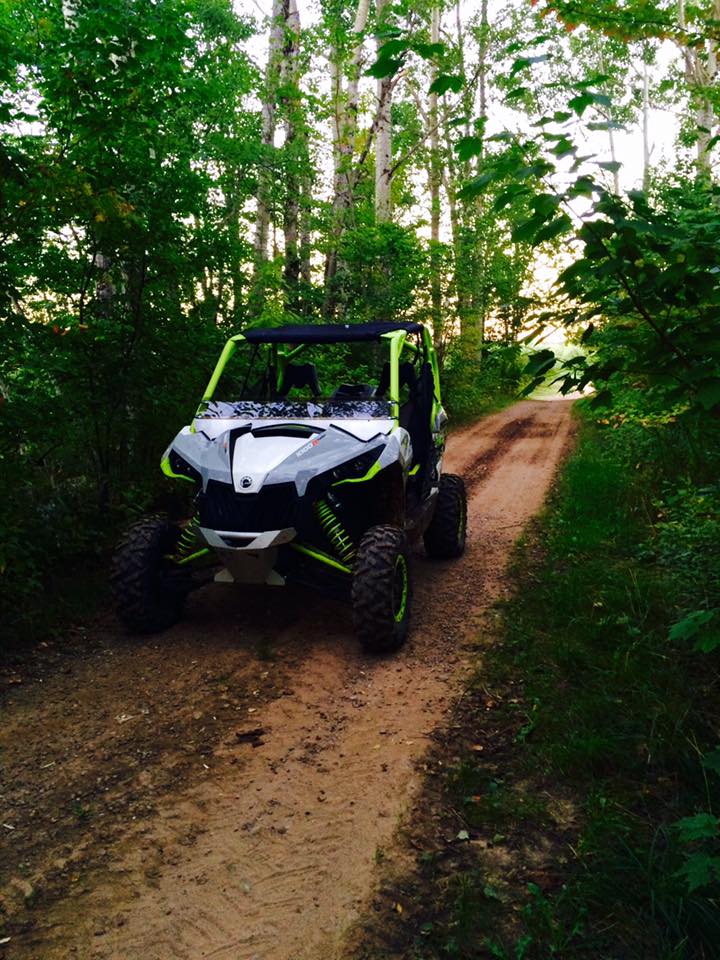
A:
<point x="273" y="508"/>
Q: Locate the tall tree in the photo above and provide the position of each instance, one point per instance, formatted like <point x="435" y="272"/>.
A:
<point x="383" y="132"/>
<point x="279" y="28"/>
<point x="344" y="94"/>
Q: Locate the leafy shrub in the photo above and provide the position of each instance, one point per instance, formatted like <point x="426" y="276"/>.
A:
<point x="471" y="387"/>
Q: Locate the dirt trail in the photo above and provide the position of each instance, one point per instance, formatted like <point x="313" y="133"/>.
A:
<point x="224" y="792"/>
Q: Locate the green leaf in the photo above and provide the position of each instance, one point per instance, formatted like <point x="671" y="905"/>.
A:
<point x="525" y="232"/>
<point x="612" y="165"/>
<point x="701" y="826"/>
<point x="384" y="67"/>
<point x="582" y="101"/>
<point x="428" y="51"/>
<point x="478" y="185"/>
<point x="711" y="761"/>
<point x="700" y="870"/>
<point x="504" y="136"/>
<point x="708" y="394"/>
<point x="563" y="147"/>
<point x="516" y="94"/>
<point x="559" y="225"/>
<point x="583" y="187"/>
<point x="696" y="625"/>
<point x="509" y="195"/>
<point x="540" y="363"/>
<point x="545" y="204"/>
<point x="522" y="63"/>
<point x="468" y="147"/>
<point x="392" y="48"/>
<point x="445" y="82"/>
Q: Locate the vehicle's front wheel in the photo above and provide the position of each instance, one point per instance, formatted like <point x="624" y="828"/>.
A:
<point x="445" y="537"/>
<point x="149" y="590"/>
<point x="382" y="589"/>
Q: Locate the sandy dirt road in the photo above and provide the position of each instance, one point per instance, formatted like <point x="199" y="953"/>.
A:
<point x="225" y="790"/>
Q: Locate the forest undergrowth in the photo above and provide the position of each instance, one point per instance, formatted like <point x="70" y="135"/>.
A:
<point x="571" y="805"/>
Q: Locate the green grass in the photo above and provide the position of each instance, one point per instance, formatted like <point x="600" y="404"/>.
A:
<point x="599" y="710"/>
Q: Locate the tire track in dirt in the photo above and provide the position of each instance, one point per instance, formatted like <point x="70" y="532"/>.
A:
<point x="271" y="855"/>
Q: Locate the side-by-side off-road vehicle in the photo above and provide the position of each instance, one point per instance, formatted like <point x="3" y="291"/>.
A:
<point x="297" y="485"/>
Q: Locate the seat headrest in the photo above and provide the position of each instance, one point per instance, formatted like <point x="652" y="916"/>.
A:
<point x="299" y="375"/>
<point x="407" y="377"/>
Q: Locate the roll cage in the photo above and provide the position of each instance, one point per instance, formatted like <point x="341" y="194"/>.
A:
<point x="288" y="342"/>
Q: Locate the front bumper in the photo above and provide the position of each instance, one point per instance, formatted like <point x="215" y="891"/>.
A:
<point x="248" y="557"/>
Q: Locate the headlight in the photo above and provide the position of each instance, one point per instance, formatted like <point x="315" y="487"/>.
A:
<point x="175" y="466"/>
<point x="357" y="468"/>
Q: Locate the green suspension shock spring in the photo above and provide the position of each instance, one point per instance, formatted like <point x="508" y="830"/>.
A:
<point x="335" y="532"/>
<point x="187" y="541"/>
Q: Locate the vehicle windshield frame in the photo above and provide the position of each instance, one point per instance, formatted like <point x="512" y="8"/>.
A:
<point x="395" y="336"/>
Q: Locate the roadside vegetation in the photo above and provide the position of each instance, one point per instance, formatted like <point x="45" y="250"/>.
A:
<point x="577" y="795"/>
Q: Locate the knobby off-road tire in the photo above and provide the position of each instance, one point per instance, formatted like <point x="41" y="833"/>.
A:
<point x="149" y="595"/>
<point x="382" y="589"/>
<point x="445" y="537"/>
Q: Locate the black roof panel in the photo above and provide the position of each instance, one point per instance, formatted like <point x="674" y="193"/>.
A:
<point x="326" y="332"/>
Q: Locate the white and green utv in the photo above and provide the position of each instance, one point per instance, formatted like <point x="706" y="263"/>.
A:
<point x="298" y="484"/>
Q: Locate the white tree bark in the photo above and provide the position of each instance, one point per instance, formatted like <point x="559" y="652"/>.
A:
<point x="435" y="180"/>
<point x="272" y="81"/>
<point x="383" y="137"/>
<point x="345" y="100"/>
<point x="294" y="135"/>
<point x="701" y="69"/>
<point x="646" y="122"/>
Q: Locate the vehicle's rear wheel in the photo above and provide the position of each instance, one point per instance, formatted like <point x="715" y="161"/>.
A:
<point x="382" y="589"/>
<point x="445" y="537"/>
<point x="149" y="590"/>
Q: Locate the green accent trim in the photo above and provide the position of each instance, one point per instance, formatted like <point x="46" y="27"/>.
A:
<point x="401" y="562"/>
<point x="227" y="352"/>
<point x="296" y="350"/>
<point x="414" y="470"/>
<point x="169" y="472"/>
<point x="322" y="557"/>
<point x="397" y="340"/>
<point x="193" y="556"/>
<point x="374" y="469"/>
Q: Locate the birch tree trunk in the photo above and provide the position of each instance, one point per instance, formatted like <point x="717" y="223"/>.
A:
<point x="608" y="115"/>
<point x="478" y="259"/>
<point x="343" y="128"/>
<point x="646" y="122"/>
<point x="265" y="175"/>
<point x="435" y="180"/>
<point x="295" y="150"/>
<point x="383" y="136"/>
<point x="700" y="74"/>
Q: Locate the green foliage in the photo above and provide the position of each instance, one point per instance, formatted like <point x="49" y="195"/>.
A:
<point x="384" y="269"/>
<point x="106" y="335"/>
<point x="622" y="718"/>
<point x="646" y="277"/>
<point x="472" y="387"/>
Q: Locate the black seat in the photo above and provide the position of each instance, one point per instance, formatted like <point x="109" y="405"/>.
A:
<point x="407" y="378"/>
<point x="298" y="375"/>
<point x="353" y="391"/>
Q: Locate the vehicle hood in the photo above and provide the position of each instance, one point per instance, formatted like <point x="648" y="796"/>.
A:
<point x="256" y="453"/>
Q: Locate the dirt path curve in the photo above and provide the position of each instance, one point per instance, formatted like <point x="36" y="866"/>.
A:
<point x="223" y="792"/>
